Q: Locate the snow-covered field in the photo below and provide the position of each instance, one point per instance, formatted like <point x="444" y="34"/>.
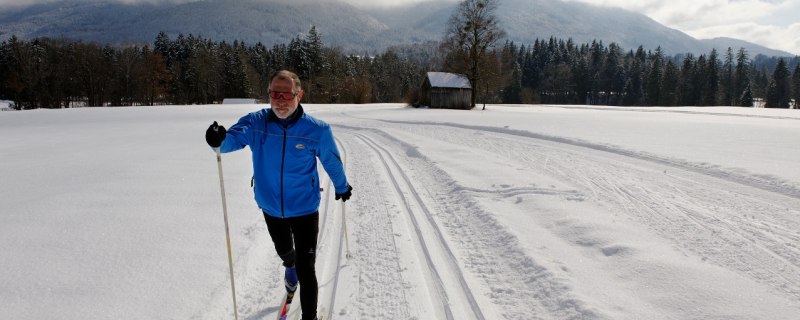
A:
<point x="516" y="212"/>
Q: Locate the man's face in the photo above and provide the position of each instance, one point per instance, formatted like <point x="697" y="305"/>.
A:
<point x="282" y="98"/>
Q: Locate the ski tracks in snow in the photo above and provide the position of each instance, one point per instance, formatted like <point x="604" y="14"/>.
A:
<point x="424" y="246"/>
<point x="448" y="282"/>
<point x="742" y="223"/>
<point x="729" y="222"/>
<point x="472" y="268"/>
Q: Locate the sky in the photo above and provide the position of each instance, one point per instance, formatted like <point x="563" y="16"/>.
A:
<point x="771" y="23"/>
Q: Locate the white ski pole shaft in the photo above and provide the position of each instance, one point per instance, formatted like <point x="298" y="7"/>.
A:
<point x="344" y="217"/>
<point x="227" y="232"/>
<point x="346" y="239"/>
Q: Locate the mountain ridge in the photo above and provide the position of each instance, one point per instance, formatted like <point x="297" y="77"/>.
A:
<point x="346" y="26"/>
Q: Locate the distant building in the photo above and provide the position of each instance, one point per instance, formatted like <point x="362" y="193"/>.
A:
<point x="6" y="105"/>
<point x="239" y="101"/>
<point x="446" y="90"/>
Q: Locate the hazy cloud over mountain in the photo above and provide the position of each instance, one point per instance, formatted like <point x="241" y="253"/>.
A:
<point x="358" y="3"/>
<point x="772" y="23"/>
<point x="24" y="3"/>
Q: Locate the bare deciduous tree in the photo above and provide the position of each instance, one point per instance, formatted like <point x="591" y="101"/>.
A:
<point x="472" y="32"/>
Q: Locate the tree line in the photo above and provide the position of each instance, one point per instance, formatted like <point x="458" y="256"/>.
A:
<point x="58" y="73"/>
<point x="556" y="71"/>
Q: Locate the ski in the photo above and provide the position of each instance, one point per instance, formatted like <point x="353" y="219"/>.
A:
<point x="285" y="304"/>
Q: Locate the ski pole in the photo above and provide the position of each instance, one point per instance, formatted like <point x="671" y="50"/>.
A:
<point x="344" y="216"/>
<point x="346" y="239"/>
<point x="227" y="233"/>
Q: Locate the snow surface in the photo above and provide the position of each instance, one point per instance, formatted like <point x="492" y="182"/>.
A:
<point x="448" y="80"/>
<point x="516" y="212"/>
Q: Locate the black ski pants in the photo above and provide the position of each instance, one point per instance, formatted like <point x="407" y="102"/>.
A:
<point x="295" y="242"/>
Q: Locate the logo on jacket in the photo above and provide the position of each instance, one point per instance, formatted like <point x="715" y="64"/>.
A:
<point x="300" y="146"/>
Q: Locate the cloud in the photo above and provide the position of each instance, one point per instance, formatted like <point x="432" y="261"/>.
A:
<point x="358" y="3"/>
<point x="782" y="38"/>
<point x="391" y="3"/>
<point x="771" y="23"/>
<point x="17" y="3"/>
<point x="24" y="3"/>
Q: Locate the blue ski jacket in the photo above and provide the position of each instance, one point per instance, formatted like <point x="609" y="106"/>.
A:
<point x="285" y="153"/>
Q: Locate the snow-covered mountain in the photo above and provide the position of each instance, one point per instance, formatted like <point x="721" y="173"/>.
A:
<point x="343" y="25"/>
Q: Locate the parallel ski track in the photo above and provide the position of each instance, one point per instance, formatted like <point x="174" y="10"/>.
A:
<point x="323" y="232"/>
<point x="450" y="267"/>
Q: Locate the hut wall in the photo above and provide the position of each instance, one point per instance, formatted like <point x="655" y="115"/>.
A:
<point x="450" y="98"/>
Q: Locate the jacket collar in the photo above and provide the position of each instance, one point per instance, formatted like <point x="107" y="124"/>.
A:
<point x="298" y="113"/>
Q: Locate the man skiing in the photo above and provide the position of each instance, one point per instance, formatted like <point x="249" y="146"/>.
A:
<point x="285" y="143"/>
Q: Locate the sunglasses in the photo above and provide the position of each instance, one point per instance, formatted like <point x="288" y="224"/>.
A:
<point x="282" y="95"/>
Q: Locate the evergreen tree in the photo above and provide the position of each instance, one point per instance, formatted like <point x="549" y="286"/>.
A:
<point x="727" y="85"/>
<point x="654" y="79"/>
<point x="711" y="76"/>
<point x="796" y="86"/>
<point x="297" y="57"/>
<point x="633" y="92"/>
<point x="597" y="57"/>
<point x="513" y="93"/>
<point x="700" y="81"/>
<point x="687" y="92"/>
<point x="742" y="78"/>
<point x="582" y="79"/>
<point x="260" y="61"/>
<point x="746" y="99"/>
<point x="314" y="62"/>
<point x="163" y="46"/>
<point x="612" y="78"/>
<point x="669" y="85"/>
<point x="779" y="90"/>
<point x="235" y="82"/>
<point x="759" y="81"/>
<point x="5" y="70"/>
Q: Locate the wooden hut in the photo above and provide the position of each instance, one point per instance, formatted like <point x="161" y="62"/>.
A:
<point x="446" y="90"/>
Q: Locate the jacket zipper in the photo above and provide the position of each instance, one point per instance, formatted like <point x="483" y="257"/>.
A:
<point x="283" y="159"/>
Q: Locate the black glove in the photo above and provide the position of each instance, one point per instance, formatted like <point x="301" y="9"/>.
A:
<point x="346" y="195"/>
<point x="215" y="134"/>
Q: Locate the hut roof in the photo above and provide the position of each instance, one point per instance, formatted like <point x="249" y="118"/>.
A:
<point x="448" y="80"/>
